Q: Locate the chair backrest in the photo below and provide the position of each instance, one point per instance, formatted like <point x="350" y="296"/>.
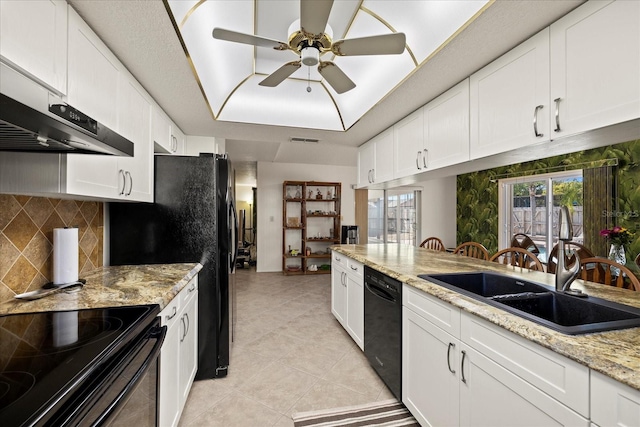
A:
<point x="608" y="272"/>
<point x="473" y="250"/>
<point x="569" y="258"/>
<point x="518" y="257"/>
<point x="433" y="243"/>
<point x="523" y="241"/>
<point x="638" y="260"/>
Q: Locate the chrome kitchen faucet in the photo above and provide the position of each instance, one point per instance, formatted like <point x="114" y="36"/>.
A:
<point x="565" y="276"/>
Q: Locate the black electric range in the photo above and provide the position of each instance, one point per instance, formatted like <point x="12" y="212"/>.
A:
<point x="57" y="366"/>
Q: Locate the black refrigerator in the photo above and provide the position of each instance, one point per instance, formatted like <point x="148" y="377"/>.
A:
<point x="192" y="219"/>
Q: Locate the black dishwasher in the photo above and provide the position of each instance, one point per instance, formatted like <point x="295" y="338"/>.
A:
<point x="383" y="327"/>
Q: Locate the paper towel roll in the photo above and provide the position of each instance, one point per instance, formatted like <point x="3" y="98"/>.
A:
<point x="65" y="255"/>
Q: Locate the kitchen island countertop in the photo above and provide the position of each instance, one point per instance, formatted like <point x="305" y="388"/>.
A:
<point x="615" y="354"/>
<point x="115" y="286"/>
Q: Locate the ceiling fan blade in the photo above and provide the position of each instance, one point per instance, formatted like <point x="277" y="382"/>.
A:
<point x="278" y="76"/>
<point x="314" y="15"/>
<point x="335" y="77"/>
<point x="234" y="36"/>
<point x="386" y="44"/>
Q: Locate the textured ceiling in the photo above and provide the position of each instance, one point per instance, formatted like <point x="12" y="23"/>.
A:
<point x="142" y="36"/>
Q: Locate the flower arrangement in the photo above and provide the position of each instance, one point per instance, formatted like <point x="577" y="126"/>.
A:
<point x="617" y="235"/>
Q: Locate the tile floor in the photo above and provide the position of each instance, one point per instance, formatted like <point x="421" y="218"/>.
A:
<point x="290" y="355"/>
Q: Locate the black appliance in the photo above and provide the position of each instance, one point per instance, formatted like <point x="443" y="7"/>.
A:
<point x="383" y="327"/>
<point x="81" y="367"/>
<point x="193" y="219"/>
<point x="32" y="119"/>
<point x="350" y="234"/>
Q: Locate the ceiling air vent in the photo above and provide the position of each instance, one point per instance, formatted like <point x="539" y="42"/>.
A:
<point x="304" y="140"/>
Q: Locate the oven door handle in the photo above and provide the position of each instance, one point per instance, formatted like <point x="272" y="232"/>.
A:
<point x="380" y="292"/>
<point x="157" y="333"/>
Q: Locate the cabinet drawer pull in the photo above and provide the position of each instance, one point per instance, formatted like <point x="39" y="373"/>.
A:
<point x="173" y="313"/>
<point x="535" y="121"/>
<point x="557" y="102"/>
<point x="124" y="181"/>
<point x="354" y="268"/>
<point x="464" y="355"/>
<point x="451" y="345"/>
<point x="192" y="288"/>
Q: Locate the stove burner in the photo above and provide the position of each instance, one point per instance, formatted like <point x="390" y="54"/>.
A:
<point x="13" y="385"/>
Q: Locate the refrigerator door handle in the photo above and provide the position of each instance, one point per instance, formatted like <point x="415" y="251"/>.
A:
<point x="233" y="218"/>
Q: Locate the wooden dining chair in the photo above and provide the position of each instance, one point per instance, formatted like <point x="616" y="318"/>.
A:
<point x="433" y="243"/>
<point x="518" y="257"/>
<point x="638" y="260"/>
<point x="570" y="258"/>
<point x="603" y="270"/>
<point x="473" y="250"/>
<point x="520" y="240"/>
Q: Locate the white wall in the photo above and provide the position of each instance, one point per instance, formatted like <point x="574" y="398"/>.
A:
<point x="204" y="144"/>
<point x="269" y="222"/>
<point x="439" y="210"/>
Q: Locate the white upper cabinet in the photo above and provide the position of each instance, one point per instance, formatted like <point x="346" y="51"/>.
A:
<point x="509" y="100"/>
<point x="408" y="141"/>
<point x="178" y="140"/>
<point x="34" y="40"/>
<point x="595" y="67"/>
<point x="446" y="128"/>
<point x="162" y="140"/>
<point x="93" y="74"/>
<point x="375" y="159"/>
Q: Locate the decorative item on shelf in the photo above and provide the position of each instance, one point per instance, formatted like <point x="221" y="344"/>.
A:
<point x="319" y="194"/>
<point x="618" y="236"/>
<point x="313" y="267"/>
<point x="329" y="194"/>
<point x="331" y="233"/>
<point x="293" y="267"/>
<point x="325" y="267"/>
<point x="293" y="221"/>
<point x="288" y="193"/>
<point x="295" y="252"/>
<point x="310" y="194"/>
<point x="298" y="192"/>
<point x="308" y="251"/>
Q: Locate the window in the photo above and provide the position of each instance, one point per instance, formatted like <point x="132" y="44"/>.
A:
<point x="393" y="216"/>
<point x="530" y="205"/>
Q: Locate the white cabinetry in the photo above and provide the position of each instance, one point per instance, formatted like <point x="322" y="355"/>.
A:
<point x="34" y="40"/>
<point x="178" y="357"/>
<point x="347" y="295"/>
<point x="178" y="140"/>
<point x="375" y="159"/>
<point x="162" y="138"/>
<point x="509" y="100"/>
<point x="595" y="64"/>
<point x="93" y="74"/>
<point x="446" y="128"/>
<point x="613" y="403"/>
<point x="408" y="141"/>
<point x="461" y="370"/>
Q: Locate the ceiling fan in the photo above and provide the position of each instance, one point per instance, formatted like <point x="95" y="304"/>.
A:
<point x="311" y="41"/>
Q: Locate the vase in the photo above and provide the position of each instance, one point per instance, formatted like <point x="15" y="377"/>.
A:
<point x="616" y="253"/>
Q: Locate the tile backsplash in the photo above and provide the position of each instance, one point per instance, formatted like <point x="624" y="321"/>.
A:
<point x="26" y="239"/>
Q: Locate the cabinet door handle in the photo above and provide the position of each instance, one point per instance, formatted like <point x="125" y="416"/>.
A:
<point x="173" y="314"/>
<point x="124" y="181"/>
<point x="464" y="355"/>
<point x="557" y="102"/>
<point x="451" y="345"/>
<point x="344" y="278"/>
<point x="127" y="173"/>
<point x="186" y="332"/>
<point x="535" y="121"/>
<point x="354" y="268"/>
<point x="373" y="175"/>
<point x="417" y="159"/>
<point x="424" y="158"/>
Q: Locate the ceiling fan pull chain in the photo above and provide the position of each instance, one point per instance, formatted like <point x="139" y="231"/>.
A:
<point x="309" y="79"/>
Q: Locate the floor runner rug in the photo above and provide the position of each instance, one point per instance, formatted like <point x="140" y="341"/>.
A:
<point x="384" y="413"/>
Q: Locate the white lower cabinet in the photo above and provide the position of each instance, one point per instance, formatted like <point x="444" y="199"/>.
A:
<point x="454" y="375"/>
<point x="613" y="403"/>
<point x="178" y="357"/>
<point x="347" y="295"/>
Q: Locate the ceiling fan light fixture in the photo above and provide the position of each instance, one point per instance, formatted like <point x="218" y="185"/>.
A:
<point x="310" y="56"/>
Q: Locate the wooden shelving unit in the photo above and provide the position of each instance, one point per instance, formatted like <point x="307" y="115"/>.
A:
<point x="310" y="225"/>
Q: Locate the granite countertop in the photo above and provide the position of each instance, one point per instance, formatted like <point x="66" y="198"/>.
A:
<point x="615" y="354"/>
<point x="115" y="286"/>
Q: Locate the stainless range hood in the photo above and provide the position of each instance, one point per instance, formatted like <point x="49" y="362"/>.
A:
<point x="32" y="119"/>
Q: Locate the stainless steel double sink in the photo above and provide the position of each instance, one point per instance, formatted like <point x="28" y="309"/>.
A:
<point x="541" y="303"/>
